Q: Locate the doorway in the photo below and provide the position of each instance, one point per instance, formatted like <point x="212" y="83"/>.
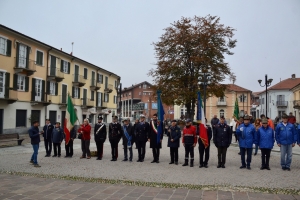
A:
<point x="52" y="116"/>
<point x="1" y="121"/>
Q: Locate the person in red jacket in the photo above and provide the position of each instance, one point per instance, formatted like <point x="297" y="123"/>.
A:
<point x="189" y="141"/>
<point x="292" y="118"/>
<point x="85" y="130"/>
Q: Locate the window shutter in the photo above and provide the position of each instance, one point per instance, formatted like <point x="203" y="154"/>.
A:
<point x="32" y="89"/>
<point x="27" y="57"/>
<point x="73" y="92"/>
<point x="78" y="93"/>
<point x="102" y="100"/>
<point x="98" y="77"/>
<point x="61" y="65"/>
<point x="17" y="55"/>
<point x="68" y="67"/>
<point x="27" y="84"/>
<point x="92" y="95"/>
<point x="85" y="73"/>
<point x="15" y="85"/>
<point x="101" y="78"/>
<point x="97" y="95"/>
<point x="56" y="89"/>
<point x="107" y="97"/>
<point x="7" y="81"/>
<point x="43" y="90"/>
<point x="48" y="87"/>
<point x="8" y="48"/>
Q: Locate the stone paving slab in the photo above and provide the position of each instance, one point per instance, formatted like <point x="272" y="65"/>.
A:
<point x="44" y="188"/>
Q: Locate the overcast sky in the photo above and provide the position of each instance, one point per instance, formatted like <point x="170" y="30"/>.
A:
<point x="117" y="35"/>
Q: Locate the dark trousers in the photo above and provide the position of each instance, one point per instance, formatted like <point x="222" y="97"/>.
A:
<point x="189" y="150"/>
<point x="69" y="148"/>
<point x="99" y="145"/>
<point x="202" y="150"/>
<point x="222" y="155"/>
<point x="85" y="147"/>
<point x="48" y="146"/>
<point x="126" y="149"/>
<point x="155" y="152"/>
<point x="265" y="157"/>
<point x="249" y="156"/>
<point x="56" y="146"/>
<point x="114" y="148"/>
<point x="236" y="136"/>
<point x="141" y="145"/>
<point x="174" y="154"/>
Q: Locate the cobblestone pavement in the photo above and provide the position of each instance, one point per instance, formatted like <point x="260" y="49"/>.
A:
<point x="16" y="159"/>
<point x="27" y="187"/>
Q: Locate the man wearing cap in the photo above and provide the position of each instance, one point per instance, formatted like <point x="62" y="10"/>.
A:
<point x="155" y="145"/>
<point x="142" y="134"/>
<point x="189" y="141"/>
<point x="270" y="122"/>
<point x="34" y="135"/>
<point x="100" y="137"/>
<point x="115" y="134"/>
<point x="47" y="131"/>
<point x="265" y="141"/>
<point x="174" y="135"/>
<point x="57" y="138"/>
<point x="128" y="132"/>
<point x="247" y="137"/>
<point x="286" y="138"/>
<point x="214" y="122"/>
<point x="222" y="140"/>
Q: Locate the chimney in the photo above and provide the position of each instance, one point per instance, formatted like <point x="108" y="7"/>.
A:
<point x="293" y="76"/>
<point x="61" y="49"/>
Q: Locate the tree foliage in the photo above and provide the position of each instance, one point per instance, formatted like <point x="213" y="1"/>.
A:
<point x="189" y="47"/>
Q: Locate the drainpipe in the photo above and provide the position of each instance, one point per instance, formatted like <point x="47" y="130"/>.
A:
<point x="46" y="80"/>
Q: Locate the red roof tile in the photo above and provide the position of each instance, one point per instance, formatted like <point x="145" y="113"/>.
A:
<point x="234" y="87"/>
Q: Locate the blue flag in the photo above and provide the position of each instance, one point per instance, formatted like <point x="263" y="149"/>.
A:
<point x="160" y="115"/>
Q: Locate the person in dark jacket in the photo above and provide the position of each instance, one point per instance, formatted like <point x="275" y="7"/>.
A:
<point x="115" y="134"/>
<point x="154" y="144"/>
<point x="286" y="138"/>
<point x="47" y="131"/>
<point x="222" y="140"/>
<point x="57" y="138"/>
<point x="69" y="146"/>
<point x="128" y="132"/>
<point x="34" y="135"/>
<point x="174" y="135"/>
<point x="100" y="134"/>
<point x="265" y="141"/>
<point x="202" y="148"/>
<point x="214" y="122"/>
<point x="189" y="140"/>
<point x="247" y="137"/>
<point x="134" y="132"/>
<point x="142" y="132"/>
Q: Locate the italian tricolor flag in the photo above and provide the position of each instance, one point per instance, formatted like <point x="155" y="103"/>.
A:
<point x="70" y="119"/>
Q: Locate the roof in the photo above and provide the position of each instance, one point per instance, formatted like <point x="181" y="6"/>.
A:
<point x="236" y="88"/>
<point x="73" y="57"/>
<point x="136" y="85"/>
<point x="286" y="84"/>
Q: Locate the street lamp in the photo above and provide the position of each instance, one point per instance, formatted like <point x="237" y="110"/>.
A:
<point x="267" y="84"/>
<point x="205" y="80"/>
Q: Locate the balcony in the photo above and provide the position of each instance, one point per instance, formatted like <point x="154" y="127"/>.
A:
<point x="102" y="105"/>
<point x="54" y="74"/>
<point x="76" y="101"/>
<point x="281" y="103"/>
<point x="10" y="96"/>
<point x="78" y="80"/>
<point x="24" y="65"/>
<point x="94" y="85"/>
<point x="87" y="103"/>
<point x="296" y="104"/>
<point x="109" y="88"/>
<point x="40" y="99"/>
<point x="63" y="100"/>
<point x="221" y="103"/>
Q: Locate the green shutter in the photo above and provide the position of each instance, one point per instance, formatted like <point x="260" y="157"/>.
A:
<point x="8" y="48"/>
<point x="68" y="67"/>
<point x="102" y="100"/>
<point x="56" y="89"/>
<point x="15" y="84"/>
<point x="26" y="84"/>
<point x="27" y="57"/>
<point x="17" y="55"/>
<point x="85" y="73"/>
<point x="43" y="91"/>
<point x="62" y="66"/>
<point x="48" y="87"/>
<point x="78" y="93"/>
<point x="107" y="97"/>
<point x="7" y="81"/>
<point x="92" y="95"/>
<point x="32" y="89"/>
<point x="53" y="62"/>
<point x="101" y="78"/>
<point x="106" y="82"/>
<point x="73" y="92"/>
<point x="97" y="93"/>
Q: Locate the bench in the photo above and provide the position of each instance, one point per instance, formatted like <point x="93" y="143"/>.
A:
<point x="11" y="137"/>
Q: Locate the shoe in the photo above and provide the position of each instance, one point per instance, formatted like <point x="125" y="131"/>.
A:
<point x="112" y="159"/>
<point x="153" y="161"/>
<point x="58" y="156"/>
<point x="176" y="163"/>
<point x="192" y="163"/>
<point x="157" y="161"/>
<point x="219" y="166"/>
<point x="171" y="163"/>
<point x="66" y="156"/>
<point x="248" y="167"/>
<point x="268" y="168"/>
<point x="54" y="156"/>
<point x="239" y="153"/>
<point x="36" y="165"/>
<point x="205" y="166"/>
<point x="288" y="169"/>
<point x="223" y="166"/>
<point x="283" y="168"/>
<point x="125" y="160"/>
<point x="142" y="160"/>
<point x="46" y="155"/>
<point x="130" y="160"/>
<point x="262" y="168"/>
<point x="185" y="164"/>
<point x="242" y="167"/>
<point x="201" y="165"/>
<point x="138" y="160"/>
<point x="88" y="157"/>
<point x="81" y="157"/>
<point x="98" y="159"/>
<point x="31" y="162"/>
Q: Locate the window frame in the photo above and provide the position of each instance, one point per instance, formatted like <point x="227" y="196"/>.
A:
<point x="76" y="92"/>
<point x="24" y="83"/>
<point x="65" y="66"/>
<point x="52" y="92"/>
<point x="36" y="57"/>
<point x="5" y="45"/>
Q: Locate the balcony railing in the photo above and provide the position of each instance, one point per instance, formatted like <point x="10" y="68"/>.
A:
<point x="94" y="85"/>
<point x="44" y="99"/>
<point x="109" y="88"/>
<point x="221" y="103"/>
<point x="76" y="101"/>
<point x="296" y="104"/>
<point x="25" y="65"/>
<point x="62" y="99"/>
<point x="10" y="96"/>
<point x="281" y="103"/>
<point x="102" y="105"/>
<point x="79" y="80"/>
<point x="55" y="72"/>
<point x="87" y="102"/>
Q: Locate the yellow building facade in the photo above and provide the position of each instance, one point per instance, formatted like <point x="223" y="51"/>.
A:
<point x="296" y="102"/>
<point x="36" y="78"/>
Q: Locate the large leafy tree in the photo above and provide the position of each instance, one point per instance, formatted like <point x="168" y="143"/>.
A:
<point x="187" y="49"/>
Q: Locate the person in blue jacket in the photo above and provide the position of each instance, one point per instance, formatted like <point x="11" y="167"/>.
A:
<point x="34" y="135"/>
<point x="174" y="135"/>
<point x="299" y="135"/>
<point x="247" y="136"/>
<point x="57" y="138"/>
<point x="265" y="141"/>
<point x="286" y="138"/>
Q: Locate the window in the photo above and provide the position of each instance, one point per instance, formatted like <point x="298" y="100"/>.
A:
<point x="21" y="83"/>
<point x="92" y="95"/>
<point x="76" y="92"/>
<point x="140" y="93"/>
<point x="221" y="99"/>
<point x="149" y="93"/>
<point x="85" y="73"/>
<point x="140" y="86"/>
<point x="39" y="58"/>
<point x="52" y="88"/>
<point x="116" y="84"/>
<point x="144" y="93"/>
<point x="144" y="86"/>
<point x="99" y="98"/>
<point x="115" y="99"/>
<point x="100" y="78"/>
<point x="106" y="97"/>
<point x="22" y="118"/>
<point x="65" y="66"/>
<point x="129" y="93"/>
<point x="222" y="113"/>
<point x="52" y="62"/>
<point x="3" y="46"/>
<point x="243" y="98"/>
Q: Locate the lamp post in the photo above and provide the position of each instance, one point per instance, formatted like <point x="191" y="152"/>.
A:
<point x="267" y="84"/>
<point x="205" y="80"/>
